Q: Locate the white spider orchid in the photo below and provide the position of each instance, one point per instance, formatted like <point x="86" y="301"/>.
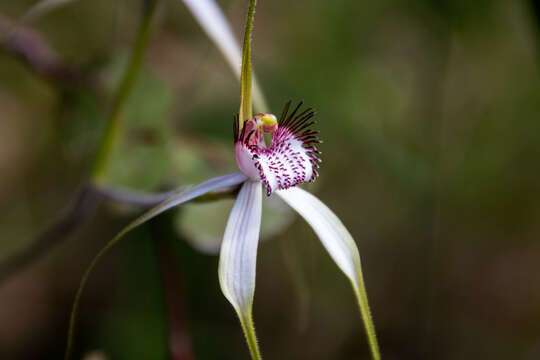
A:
<point x="291" y="159"/>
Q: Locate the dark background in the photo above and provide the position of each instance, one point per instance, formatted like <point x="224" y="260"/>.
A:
<point x="430" y="115"/>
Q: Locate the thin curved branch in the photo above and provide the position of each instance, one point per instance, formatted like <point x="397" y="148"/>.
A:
<point x="32" y="49"/>
<point x="84" y="204"/>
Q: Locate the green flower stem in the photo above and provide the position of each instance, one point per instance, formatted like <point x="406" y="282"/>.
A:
<point x="361" y="295"/>
<point x="246" y="112"/>
<point x="123" y="91"/>
<point x="75" y="309"/>
<point x="249" y="332"/>
<point x="245" y="74"/>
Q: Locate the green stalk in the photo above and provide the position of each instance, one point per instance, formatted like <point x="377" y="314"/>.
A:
<point x="101" y="162"/>
<point x="245" y="74"/>
<point x="249" y="332"/>
<point x="246" y="113"/>
<point x="75" y="310"/>
<point x="361" y="296"/>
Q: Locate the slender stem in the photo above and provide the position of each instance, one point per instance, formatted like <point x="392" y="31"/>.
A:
<point x="245" y="75"/>
<point x="361" y="296"/>
<point x="249" y="332"/>
<point x="122" y="93"/>
<point x="84" y="280"/>
<point x="75" y="309"/>
<point x="246" y="113"/>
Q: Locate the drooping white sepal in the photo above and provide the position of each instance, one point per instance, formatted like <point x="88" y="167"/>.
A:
<point x="334" y="236"/>
<point x="218" y="29"/>
<point x="185" y="195"/>
<point x="177" y="198"/>
<point x="340" y="245"/>
<point x="238" y="256"/>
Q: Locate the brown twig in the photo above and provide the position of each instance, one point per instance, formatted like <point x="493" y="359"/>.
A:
<point x="84" y="204"/>
<point x="32" y="49"/>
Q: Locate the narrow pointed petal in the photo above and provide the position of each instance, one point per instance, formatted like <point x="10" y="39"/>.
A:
<point x="340" y="245"/>
<point x="175" y="200"/>
<point x="238" y="258"/>
<point x="216" y="26"/>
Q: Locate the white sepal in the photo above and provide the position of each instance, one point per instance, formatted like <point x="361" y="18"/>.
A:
<point x="216" y="26"/>
<point x="334" y="236"/>
<point x="340" y="245"/>
<point x="238" y="257"/>
<point x="191" y="193"/>
<point x="175" y="199"/>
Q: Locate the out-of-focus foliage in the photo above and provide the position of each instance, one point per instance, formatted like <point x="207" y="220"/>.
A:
<point x="142" y="153"/>
<point x="429" y="111"/>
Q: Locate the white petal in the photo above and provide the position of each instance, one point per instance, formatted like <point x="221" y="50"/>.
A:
<point x="175" y="199"/>
<point x="186" y="195"/>
<point x="340" y="245"/>
<point x="238" y="256"/>
<point x="216" y="26"/>
<point x="333" y="234"/>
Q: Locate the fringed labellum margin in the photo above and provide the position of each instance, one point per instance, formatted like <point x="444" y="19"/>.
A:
<point x="292" y="157"/>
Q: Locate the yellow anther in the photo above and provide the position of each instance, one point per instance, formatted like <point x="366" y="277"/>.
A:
<point x="269" y="119"/>
<point x="266" y="122"/>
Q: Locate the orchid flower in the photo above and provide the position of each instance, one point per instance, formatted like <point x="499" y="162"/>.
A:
<point x="289" y="160"/>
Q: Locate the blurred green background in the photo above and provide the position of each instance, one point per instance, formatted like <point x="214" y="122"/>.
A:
<point x="430" y="115"/>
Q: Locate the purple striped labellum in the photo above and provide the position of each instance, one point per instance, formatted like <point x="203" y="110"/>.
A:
<point x="292" y="157"/>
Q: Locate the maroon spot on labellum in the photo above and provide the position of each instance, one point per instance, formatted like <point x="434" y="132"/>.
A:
<point x="286" y="165"/>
